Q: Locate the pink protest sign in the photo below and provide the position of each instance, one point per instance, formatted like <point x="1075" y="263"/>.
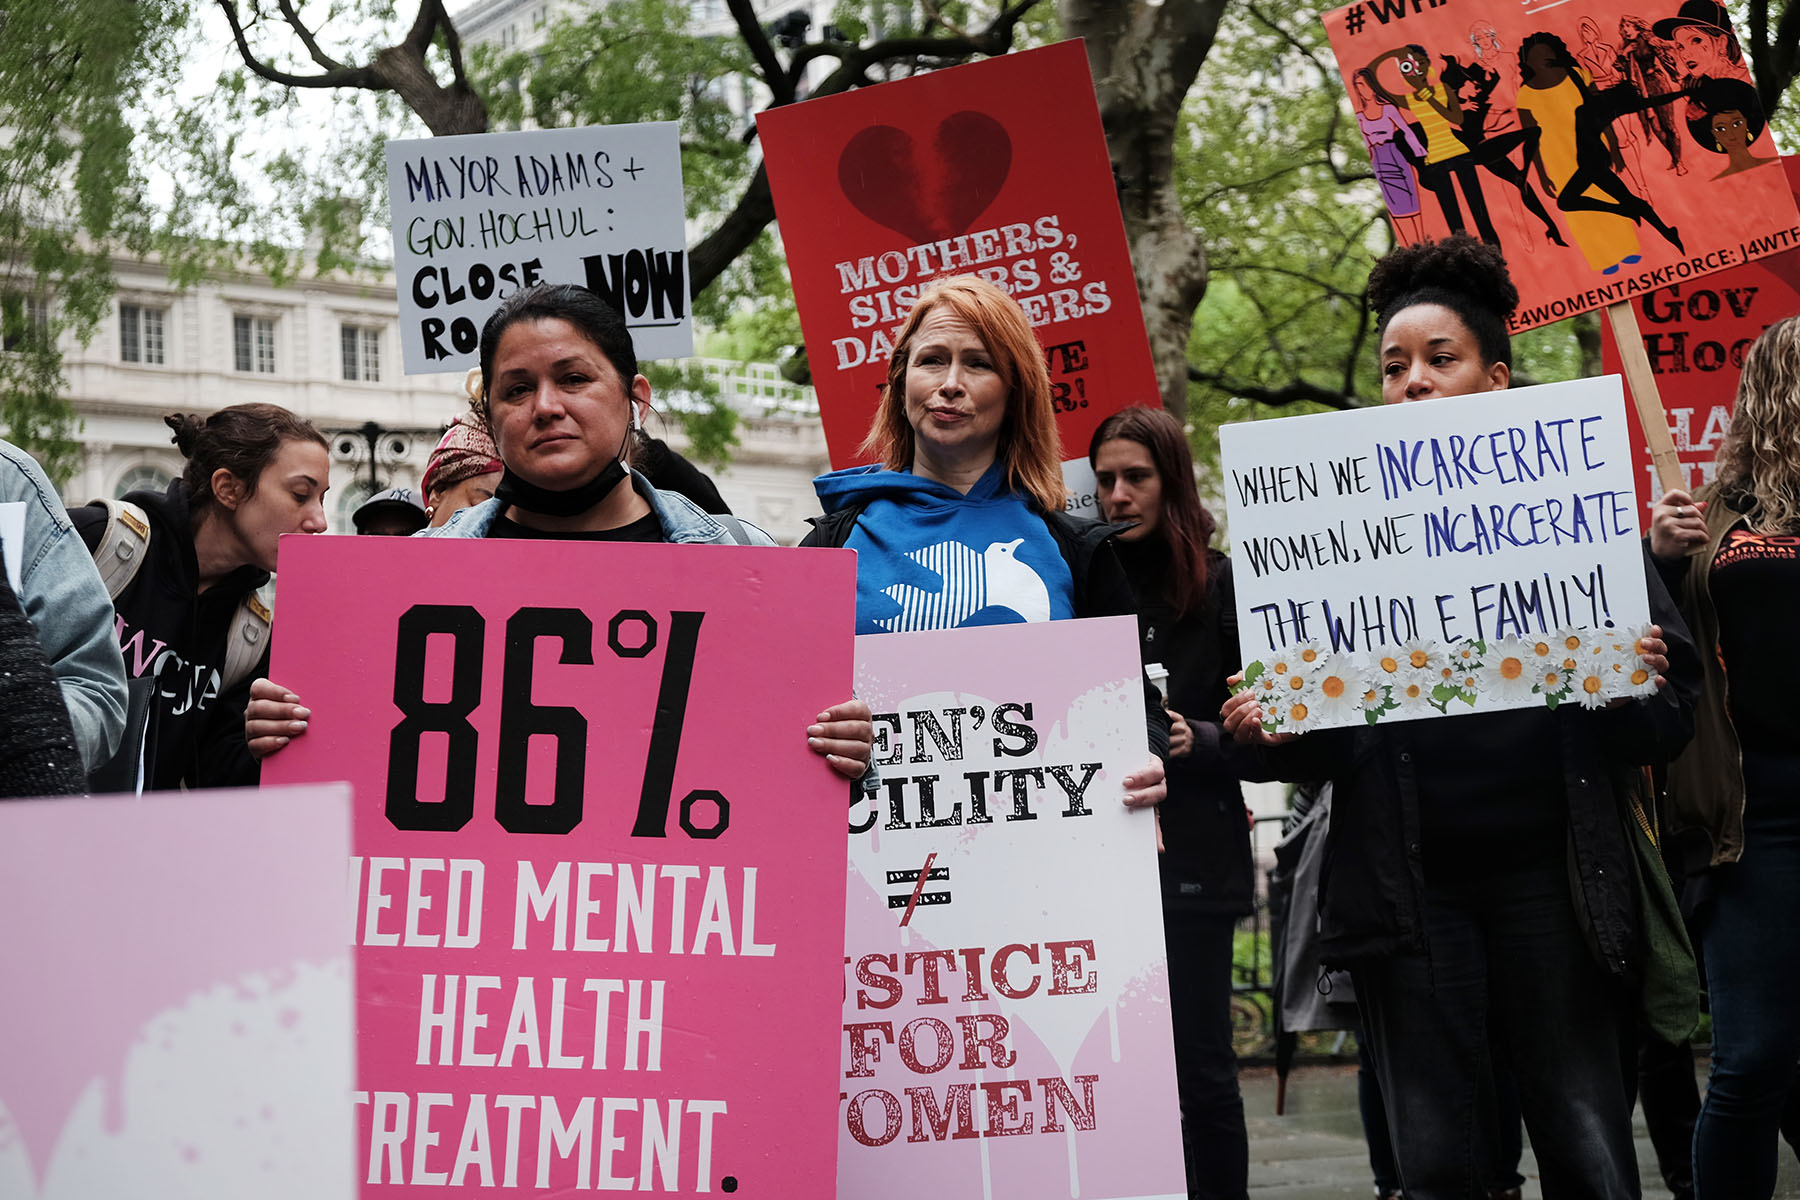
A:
<point x="598" y="872"/>
<point x="177" y="997"/>
<point x="1006" y="1011"/>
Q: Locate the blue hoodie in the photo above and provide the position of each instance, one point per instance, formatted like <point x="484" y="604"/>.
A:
<point x="930" y="557"/>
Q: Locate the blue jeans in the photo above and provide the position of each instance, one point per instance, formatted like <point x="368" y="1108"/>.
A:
<point x="1506" y="951"/>
<point x="1751" y="935"/>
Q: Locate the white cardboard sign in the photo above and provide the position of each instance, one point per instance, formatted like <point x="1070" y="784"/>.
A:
<point x="1006" y="1009"/>
<point x="480" y="216"/>
<point x="1467" y="554"/>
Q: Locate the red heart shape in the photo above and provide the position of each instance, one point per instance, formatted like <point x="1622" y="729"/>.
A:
<point x="927" y="194"/>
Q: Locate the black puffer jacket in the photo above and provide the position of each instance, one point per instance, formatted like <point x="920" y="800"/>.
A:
<point x="1371" y="900"/>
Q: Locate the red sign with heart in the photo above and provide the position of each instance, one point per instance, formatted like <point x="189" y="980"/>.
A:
<point x="1695" y="335"/>
<point x="998" y="169"/>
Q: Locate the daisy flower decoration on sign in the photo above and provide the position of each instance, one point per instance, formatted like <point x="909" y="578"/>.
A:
<point x="1508" y="670"/>
<point x="1309" y="686"/>
<point x="1412" y="694"/>
<point x="1628" y="656"/>
<point x="1459" y="676"/>
<point x="1590" y="684"/>
<point x="1541" y="651"/>
<point x="1386" y="665"/>
<point x="1423" y="656"/>
<point x="1571" y="648"/>
<point x="1550" y="679"/>
<point x="1340" y="688"/>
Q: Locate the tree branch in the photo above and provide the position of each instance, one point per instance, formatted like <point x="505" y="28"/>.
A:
<point x="1296" y="392"/>
<point x="432" y="14"/>
<point x="780" y="84"/>
<point x="356" y="77"/>
<point x="307" y="39"/>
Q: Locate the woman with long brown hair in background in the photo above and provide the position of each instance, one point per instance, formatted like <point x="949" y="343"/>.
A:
<point x="1187" y="621"/>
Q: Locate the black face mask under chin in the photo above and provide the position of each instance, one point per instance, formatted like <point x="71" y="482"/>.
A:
<point x="521" y="494"/>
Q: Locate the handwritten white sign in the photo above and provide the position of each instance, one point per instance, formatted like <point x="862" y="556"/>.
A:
<point x="1467" y="554"/>
<point x="480" y="216"/>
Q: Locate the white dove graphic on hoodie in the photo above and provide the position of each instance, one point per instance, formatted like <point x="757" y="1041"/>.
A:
<point x="992" y="578"/>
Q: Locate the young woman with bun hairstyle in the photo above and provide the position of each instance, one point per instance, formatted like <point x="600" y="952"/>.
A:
<point x="1733" y="559"/>
<point x="254" y="472"/>
<point x="1480" y="879"/>
<point x="1187" y="621"/>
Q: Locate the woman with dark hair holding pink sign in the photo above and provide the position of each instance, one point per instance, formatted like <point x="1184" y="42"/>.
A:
<point x="563" y="399"/>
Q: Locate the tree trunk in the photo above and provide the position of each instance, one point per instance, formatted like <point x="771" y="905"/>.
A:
<point x="445" y="110"/>
<point x="1144" y="58"/>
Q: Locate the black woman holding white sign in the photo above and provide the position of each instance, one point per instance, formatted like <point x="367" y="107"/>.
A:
<point x="563" y="399"/>
<point x="1733" y="558"/>
<point x="962" y="523"/>
<point x="1481" y="874"/>
<point x="1187" y="621"/>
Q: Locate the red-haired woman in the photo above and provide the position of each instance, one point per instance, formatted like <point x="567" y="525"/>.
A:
<point x="1187" y="621"/>
<point x="962" y="522"/>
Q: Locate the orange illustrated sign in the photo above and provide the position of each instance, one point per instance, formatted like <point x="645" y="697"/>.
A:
<point x="1609" y="147"/>
<point x="1695" y="336"/>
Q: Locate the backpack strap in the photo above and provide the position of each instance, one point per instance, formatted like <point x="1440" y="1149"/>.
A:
<point x="734" y="527"/>
<point x="245" y="644"/>
<point x="121" y="549"/>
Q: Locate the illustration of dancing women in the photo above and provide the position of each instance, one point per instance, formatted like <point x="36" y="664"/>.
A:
<point x="1447" y="159"/>
<point x="1601" y="61"/>
<point x="1574" y="154"/>
<point x="1382" y="128"/>
<point x="1648" y="65"/>
<point x="1473" y="88"/>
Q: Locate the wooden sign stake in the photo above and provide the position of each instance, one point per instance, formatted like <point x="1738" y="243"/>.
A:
<point x="1641" y="381"/>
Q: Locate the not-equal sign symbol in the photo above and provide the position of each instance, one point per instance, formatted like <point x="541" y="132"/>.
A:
<point x="917" y="895"/>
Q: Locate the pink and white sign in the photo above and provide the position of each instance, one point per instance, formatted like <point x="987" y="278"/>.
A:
<point x="176" y="998"/>
<point x="598" y="872"/>
<point x="1006" y="1009"/>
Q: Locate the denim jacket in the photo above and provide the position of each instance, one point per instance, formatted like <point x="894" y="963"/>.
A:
<point x="682" y="522"/>
<point x="61" y="592"/>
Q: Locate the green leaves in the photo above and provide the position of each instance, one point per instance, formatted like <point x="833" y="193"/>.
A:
<point x="68" y="180"/>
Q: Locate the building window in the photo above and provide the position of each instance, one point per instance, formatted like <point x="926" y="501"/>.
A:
<point x="22" y="318"/>
<point x="362" y="353"/>
<point x="253" y="344"/>
<point x="141" y="333"/>
<point x="143" y="478"/>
